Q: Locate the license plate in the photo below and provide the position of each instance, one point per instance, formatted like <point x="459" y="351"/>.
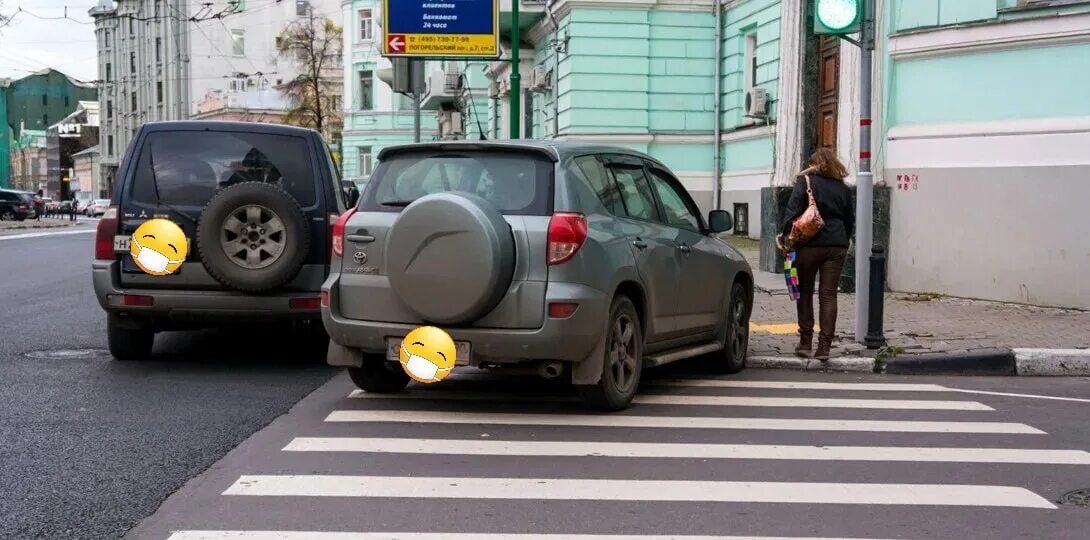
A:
<point x="462" y="348"/>
<point x="121" y="243"/>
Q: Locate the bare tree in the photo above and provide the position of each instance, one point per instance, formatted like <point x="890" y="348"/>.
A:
<point x="3" y="19"/>
<point x="314" y="44"/>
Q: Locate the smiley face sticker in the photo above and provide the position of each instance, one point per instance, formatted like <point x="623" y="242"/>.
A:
<point x="158" y="247"/>
<point x="427" y="354"/>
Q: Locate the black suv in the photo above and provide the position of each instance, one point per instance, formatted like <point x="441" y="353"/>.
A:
<point x="257" y="202"/>
<point x="15" y="205"/>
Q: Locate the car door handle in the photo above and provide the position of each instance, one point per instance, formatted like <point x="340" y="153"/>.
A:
<point x="639" y="243"/>
<point x="360" y="238"/>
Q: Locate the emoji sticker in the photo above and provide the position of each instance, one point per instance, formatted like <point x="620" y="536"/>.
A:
<point x="159" y="247"/>
<point x="427" y="354"/>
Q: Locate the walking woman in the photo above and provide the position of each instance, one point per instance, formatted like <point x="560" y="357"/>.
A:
<point x="822" y="255"/>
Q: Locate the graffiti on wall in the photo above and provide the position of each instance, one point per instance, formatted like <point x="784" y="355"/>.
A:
<point x="908" y="182"/>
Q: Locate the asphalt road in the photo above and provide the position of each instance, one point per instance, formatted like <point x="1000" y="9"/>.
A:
<point x="90" y="446"/>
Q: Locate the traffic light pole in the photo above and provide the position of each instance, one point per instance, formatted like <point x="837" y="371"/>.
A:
<point x="864" y="184"/>
<point x="515" y="96"/>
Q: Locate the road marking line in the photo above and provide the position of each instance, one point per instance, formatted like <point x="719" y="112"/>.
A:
<point x="1033" y="396"/>
<point x="324" y="535"/>
<point x="734" y="401"/>
<point x="686" y="451"/>
<point x="633" y="490"/>
<point x="793" y="385"/>
<point x="680" y="422"/>
<point x="781" y="329"/>
<point x="38" y="235"/>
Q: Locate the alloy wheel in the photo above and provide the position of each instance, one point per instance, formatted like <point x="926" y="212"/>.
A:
<point x="253" y="237"/>
<point x="623" y="353"/>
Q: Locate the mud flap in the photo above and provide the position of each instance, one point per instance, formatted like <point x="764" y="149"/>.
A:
<point x="339" y="355"/>
<point x="589" y="371"/>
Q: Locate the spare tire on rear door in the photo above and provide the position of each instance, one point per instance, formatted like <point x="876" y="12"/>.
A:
<point x="450" y="257"/>
<point x="253" y="237"/>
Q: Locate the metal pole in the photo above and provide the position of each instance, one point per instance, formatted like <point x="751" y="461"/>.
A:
<point x="515" y="95"/>
<point x="717" y="174"/>
<point x="864" y="185"/>
<point x="875" y="338"/>
<point x="413" y="83"/>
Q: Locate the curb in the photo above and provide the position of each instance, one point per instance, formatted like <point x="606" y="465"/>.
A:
<point x="995" y="362"/>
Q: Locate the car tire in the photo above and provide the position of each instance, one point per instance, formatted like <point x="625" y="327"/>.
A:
<point x="734" y="337"/>
<point x="378" y="376"/>
<point x="129" y="344"/>
<point x="7" y="215"/>
<point x="235" y="269"/>
<point x="623" y="362"/>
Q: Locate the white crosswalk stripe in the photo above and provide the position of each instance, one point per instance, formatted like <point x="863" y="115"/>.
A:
<point x="335" y="476"/>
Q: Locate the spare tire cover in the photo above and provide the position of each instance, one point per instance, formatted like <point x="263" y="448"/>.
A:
<point x="450" y="257"/>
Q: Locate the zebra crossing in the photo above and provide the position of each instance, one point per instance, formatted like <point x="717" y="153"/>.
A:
<point x="759" y="459"/>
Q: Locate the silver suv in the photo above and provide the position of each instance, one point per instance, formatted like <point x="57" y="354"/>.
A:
<point x="556" y="258"/>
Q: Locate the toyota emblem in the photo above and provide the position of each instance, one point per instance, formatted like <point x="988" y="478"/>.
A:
<point x="360" y="257"/>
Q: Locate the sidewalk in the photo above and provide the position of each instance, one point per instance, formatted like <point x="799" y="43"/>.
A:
<point x="918" y="324"/>
<point x="45" y="223"/>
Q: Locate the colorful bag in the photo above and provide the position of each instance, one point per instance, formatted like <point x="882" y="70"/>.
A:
<point x="791" y="275"/>
<point x="807" y="225"/>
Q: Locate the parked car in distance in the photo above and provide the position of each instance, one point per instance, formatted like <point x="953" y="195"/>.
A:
<point x="15" y="205"/>
<point x="555" y="258"/>
<point x="257" y="203"/>
<point x="97" y="207"/>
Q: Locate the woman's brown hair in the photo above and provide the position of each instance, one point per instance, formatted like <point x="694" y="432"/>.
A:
<point x="824" y="162"/>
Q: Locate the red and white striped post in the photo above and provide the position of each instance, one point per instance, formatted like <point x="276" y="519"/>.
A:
<point x="864" y="181"/>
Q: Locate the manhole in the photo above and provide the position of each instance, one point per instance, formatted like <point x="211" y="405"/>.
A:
<point x="67" y="353"/>
<point x="1079" y="497"/>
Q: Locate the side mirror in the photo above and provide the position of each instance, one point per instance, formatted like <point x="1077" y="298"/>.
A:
<point x="352" y="195"/>
<point x="719" y="221"/>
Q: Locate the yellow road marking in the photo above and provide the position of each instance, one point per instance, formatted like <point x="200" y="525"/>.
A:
<point x="778" y="329"/>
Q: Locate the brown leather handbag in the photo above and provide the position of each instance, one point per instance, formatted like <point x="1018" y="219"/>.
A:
<point x="805" y="226"/>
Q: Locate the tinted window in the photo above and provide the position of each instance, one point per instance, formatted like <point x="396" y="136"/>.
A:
<point x="186" y="168"/>
<point x="594" y="172"/>
<point x="517" y="184"/>
<point x="635" y="192"/>
<point x="8" y="196"/>
<point x="677" y="212"/>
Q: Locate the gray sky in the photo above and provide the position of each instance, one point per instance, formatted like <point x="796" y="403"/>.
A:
<point x="30" y="44"/>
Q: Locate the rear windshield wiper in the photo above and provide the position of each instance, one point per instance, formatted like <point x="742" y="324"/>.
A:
<point x="396" y="202"/>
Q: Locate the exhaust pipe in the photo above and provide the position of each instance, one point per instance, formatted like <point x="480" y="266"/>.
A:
<point x="550" y="370"/>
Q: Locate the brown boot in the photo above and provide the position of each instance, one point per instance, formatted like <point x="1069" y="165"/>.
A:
<point x="806" y="342"/>
<point x="823" y="349"/>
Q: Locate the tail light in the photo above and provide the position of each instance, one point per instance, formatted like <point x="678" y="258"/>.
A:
<point x="303" y="303"/>
<point x="562" y="310"/>
<point x="338" y="232"/>
<point x="24" y="207"/>
<point x="104" y="236"/>
<point x="567" y="232"/>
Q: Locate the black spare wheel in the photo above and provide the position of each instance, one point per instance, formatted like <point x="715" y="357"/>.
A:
<point x="450" y="257"/>
<point x="253" y="237"/>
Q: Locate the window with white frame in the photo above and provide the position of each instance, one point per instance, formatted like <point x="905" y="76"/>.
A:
<point x="238" y="42"/>
<point x="367" y="91"/>
<point x="365" y="161"/>
<point x="367" y="26"/>
<point x="749" y="68"/>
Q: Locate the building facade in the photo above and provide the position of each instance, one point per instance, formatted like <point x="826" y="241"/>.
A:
<point x="68" y="137"/>
<point x="143" y="69"/>
<point x="36" y="102"/>
<point x="29" y="161"/>
<point x="977" y="105"/>
<point x="165" y="59"/>
<point x="374" y="115"/>
<point x="86" y="181"/>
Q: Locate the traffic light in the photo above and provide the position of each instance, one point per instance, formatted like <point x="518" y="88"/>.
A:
<point x="838" y="17"/>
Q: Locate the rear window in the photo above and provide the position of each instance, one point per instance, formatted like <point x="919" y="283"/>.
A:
<point x="186" y="168"/>
<point x="518" y="184"/>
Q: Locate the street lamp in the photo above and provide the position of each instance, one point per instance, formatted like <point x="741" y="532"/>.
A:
<point x="838" y="17"/>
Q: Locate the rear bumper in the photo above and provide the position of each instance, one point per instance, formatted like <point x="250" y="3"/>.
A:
<point x="569" y="340"/>
<point x="196" y="308"/>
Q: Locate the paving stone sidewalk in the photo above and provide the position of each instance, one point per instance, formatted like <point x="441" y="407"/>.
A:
<point x="917" y="323"/>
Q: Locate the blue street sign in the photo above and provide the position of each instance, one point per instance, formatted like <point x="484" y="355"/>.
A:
<point x="441" y="28"/>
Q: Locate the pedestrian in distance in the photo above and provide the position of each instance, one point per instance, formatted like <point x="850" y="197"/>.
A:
<point x="72" y="209"/>
<point x="816" y="235"/>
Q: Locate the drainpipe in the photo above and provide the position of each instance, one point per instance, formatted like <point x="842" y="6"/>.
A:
<point x="717" y="177"/>
<point x="556" y="68"/>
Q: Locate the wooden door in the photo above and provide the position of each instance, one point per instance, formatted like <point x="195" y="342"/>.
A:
<point x="828" y="90"/>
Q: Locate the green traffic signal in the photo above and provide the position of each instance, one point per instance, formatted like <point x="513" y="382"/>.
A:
<point x="838" y="17"/>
